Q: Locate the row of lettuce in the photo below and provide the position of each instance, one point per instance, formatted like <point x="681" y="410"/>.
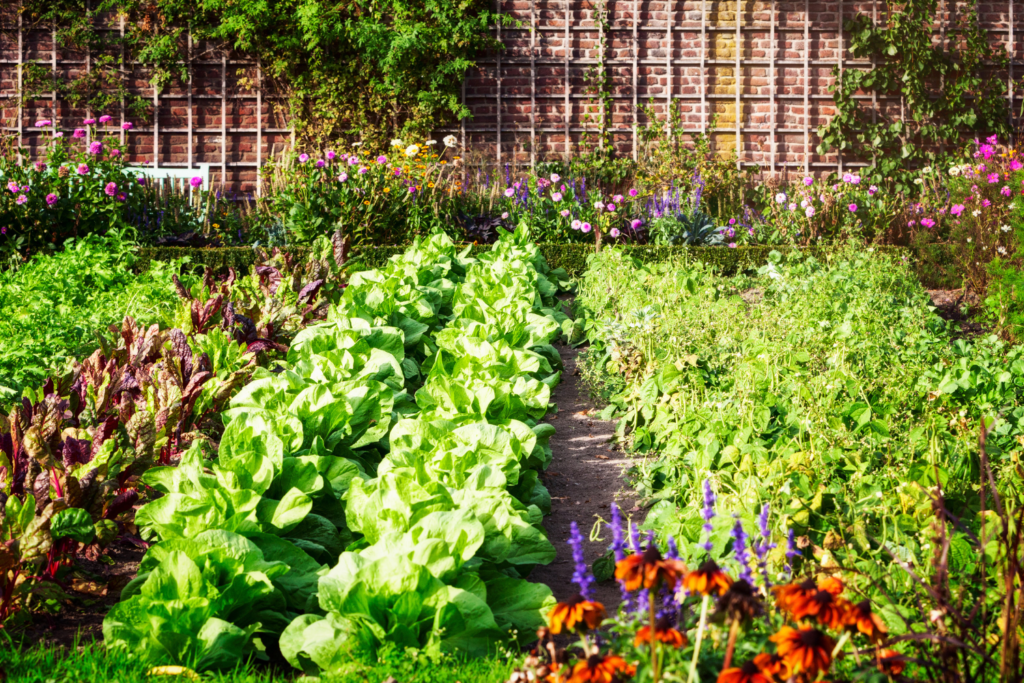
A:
<point x="378" y="486"/>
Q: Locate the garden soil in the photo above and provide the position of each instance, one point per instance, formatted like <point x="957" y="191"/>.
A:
<point x="585" y="477"/>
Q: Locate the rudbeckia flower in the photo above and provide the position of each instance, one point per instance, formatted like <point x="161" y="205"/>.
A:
<point x="663" y="632"/>
<point x="575" y="612"/>
<point x="859" y="617"/>
<point x="707" y="579"/>
<point x="600" y="669"/>
<point x="806" y="650"/>
<point x="648" y="570"/>
<point x="891" y="662"/>
<point x="748" y="673"/>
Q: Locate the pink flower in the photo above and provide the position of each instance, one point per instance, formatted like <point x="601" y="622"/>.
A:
<point x="110" y="189"/>
<point x="195" y="181"/>
<point x="985" y="202"/>
<point x="13" y="187"/>
<point x="809" y="212"/>
<point x="51" y="199"/>
<point x="617" y="199"/>
<point x="88" y="122"/>
<point x="43" y="123"/>
<point x="847" y="178"/>
<point x="732" y="245"/>
<point x="331" y="155"/>
<point x="382" y="159"/>
<point x="576" y="225"/>
<point x="911" y="224"/>
<point x="120" y="196"/>
<point x="556" y="196"/>
<point x="363" y="170"/>
<point x="855" y="179"/>
<point x="614" y="232"/>
<point x="792" y="206"/>
<point x="509" y="191"/>
<point x="1016" y="165"/>
<point x="303" y="158"/>
<point x="25" y="189"/>
<point x="1006" y="191"/>
<point x="58" y="134"/>
<point x="21" y="199"/>
<point x="78" y="134"/>
<point x="993" y="178"/>
<point x="808" y="181"/>
<point x="957" y="209"/>
<point x="633" y="192"/>
<point x="610" y="207"/>
<point x="320" y="163"/>
<point x="564" y="213"/>
<point x="585" y="227"/>
<point x="992" y="140"/>
<point x="636" y="223"/>
<point x="504" y="215"/>
<point x="928" y="222"/>
<point x="872" y="190"/>
<point x="353" y="160"/>
<point x="105" y="119"/>
<point x="115" y="152"/>
<point x="852" y="208"/>
<point x="95" y="147"/>
<point x="555" y="177"/>
<point x="82" y="169"/>
<point x="127" y="125"/>
<point x="343" y="177"/>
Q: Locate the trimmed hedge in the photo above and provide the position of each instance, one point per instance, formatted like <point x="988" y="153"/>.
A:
<point x="934" y="264"/>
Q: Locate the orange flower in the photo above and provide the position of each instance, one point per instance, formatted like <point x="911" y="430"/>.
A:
<point x="786" y="595"/>
<point x="891" y="662"/>
<point x="663" y="632"/>
<point x="598" y="669"/>
<point x="707" y="579"/>
<point x="773" y="665"/>
<point x="575" y="613"/>
<point x="859" y="617"/>
<point x="827" y="608"/>
<point x="806" y="650"/>
<point x="648" y="570"/>
<point x="748" y="673"/>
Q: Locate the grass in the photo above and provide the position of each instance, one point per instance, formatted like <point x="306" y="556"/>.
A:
<point x="94" y="663"/>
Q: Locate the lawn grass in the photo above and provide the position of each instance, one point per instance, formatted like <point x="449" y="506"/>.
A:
<point x="25" y="663"/>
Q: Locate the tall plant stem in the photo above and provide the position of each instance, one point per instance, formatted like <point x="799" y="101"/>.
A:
<point x="654" y="639"/>
<point x="700" y="637"/>
<point x="730" y="647"/>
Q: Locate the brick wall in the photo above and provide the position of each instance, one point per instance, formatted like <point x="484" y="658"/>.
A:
<point x="763" y="67"/>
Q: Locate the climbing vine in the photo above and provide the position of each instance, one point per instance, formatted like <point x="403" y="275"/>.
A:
<point x="939" y="90"/>
<point x="367" y="69"/>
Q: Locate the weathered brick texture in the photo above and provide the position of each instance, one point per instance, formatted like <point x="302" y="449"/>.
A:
<point x="532" y="102"/>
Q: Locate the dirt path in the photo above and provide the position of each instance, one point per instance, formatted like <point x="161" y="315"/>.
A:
<point x="584" y="478"/>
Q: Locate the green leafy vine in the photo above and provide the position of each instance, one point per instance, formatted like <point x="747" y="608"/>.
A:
<point x="945" y="90"/>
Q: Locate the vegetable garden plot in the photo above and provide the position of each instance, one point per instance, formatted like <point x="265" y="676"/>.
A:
<point x="381" y="487"/>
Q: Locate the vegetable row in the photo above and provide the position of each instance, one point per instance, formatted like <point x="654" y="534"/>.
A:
<point x="378" y="486"/>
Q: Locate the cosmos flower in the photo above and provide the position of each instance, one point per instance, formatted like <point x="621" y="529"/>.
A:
<point x="21" y="199"/>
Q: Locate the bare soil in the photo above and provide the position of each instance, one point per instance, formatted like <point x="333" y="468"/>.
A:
<point x="950" y="304"/>
<point x="585" y="477"/>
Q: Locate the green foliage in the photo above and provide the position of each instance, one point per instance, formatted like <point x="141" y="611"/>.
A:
<point x="53" y="308"/>
<point x="696" y="229"/>
<point x="946" y="88"/>
<point x="365" y="69"/>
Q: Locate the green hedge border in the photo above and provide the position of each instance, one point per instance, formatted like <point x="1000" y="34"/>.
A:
<point x="934" y="263"/>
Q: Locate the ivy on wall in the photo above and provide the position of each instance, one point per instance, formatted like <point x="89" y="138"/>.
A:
<point x="366" y="69"/>
<point x="946" y="89"/>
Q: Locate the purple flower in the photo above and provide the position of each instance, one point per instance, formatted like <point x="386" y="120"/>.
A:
<point x="509" y="191"/>
<point x="633" y="192"/>
<point x="872" y="190"/>
<point x="732" y="245"/>
<point x="79" y="133"/>
<point x="142" y="180"/>
<point x="26" y="189"/>
<point x="331" y="155"/>
<point x="105" y="119"/>
<point x="580" y="576"/>
<point x="51" y="199"/>
<point x="614" y="232"/>
<point x="303" y="158"/>
<point x="739" y="549"/>
<point x="610" y="207"/>
<point x="320" y="163"/>
<point x="808" y="181"/>
<point x="993" y="178"/>
<point x="708" y="513"/>
<point x="992" y="140"/>
<point x="636" y="223"/>
<point x="120" y="196"/>
<point x="353" y="160"/>
<point x="110" y="189"/>
<point x="88" y="122"/>
<point x="21" y="199"/>
<point x="382" y="159"/>
<point x="852" y="207"/>
<point x="762" y="549"/>
<point x="82" y="169"/>
<point x="195" y="181"/>
<point x="127" y="125"/>
<point x="363" y="170"/>
<point x="95" y="147"/>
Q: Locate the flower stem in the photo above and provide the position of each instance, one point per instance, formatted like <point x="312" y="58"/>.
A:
<point x="654" y="639"/>
<point x="730" y="648"/>
<point x="839" y="646"/>
<point x="700" y="637"/>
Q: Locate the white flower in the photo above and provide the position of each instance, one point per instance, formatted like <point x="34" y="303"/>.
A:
<point x="1002" y="250"/>
<point x="397" y="142"/>
<point x="357" y="144"/>
<point x="1012" y="206"/>
<point x="976" y="213"/>
<point x="954" y="171"/>
<point x="780" y="198"/>
<point x="412" y="150"/>
<point x="450" y="141"/>
<point x="926" y="170"/>
<point x="598" y="205"/>
<point x="969" y="240"/>
<point x="1005" y="228"/>
<point x="430" y="143"/>
<point x="918" y="181"/>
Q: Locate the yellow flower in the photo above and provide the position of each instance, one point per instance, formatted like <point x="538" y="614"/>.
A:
<point x="443" y="162"/>
<point x="366" y="203"/>
<point x="430" y="184"/>
<point x="387" y="189"/>
<point x="216" y="225"/>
